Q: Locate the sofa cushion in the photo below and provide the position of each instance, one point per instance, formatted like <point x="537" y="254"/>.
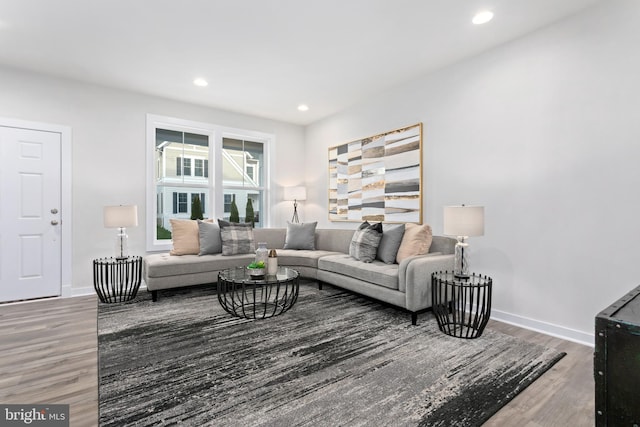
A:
<point x="375" y="272"/>
<point x="296" y="258"/>
<point x="365" y="241"/>
<point x="209" y="237"/>
<point x="337" y="240"/>
<point x="301" y="236"/>
<point x="184" y="233"/>
<point x="237" y="240"/>
<point x="416" y="241"/>
<point x="163" y="265"/>
<point x="390" y="242"/>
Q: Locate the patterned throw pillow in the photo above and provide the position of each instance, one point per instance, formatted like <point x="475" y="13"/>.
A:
<point x="365" y="241"/>
<point x="237" y="240"/>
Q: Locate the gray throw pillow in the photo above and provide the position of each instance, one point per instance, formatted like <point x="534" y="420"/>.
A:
<point x="209" y="236"/>
<point x="365" y="241"/>
<point x="237" y="240"/>
<point x="389" y="244"/>
<point x="301" y="236"/>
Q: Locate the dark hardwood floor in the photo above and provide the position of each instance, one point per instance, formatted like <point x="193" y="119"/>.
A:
<point x="48" y="354"/>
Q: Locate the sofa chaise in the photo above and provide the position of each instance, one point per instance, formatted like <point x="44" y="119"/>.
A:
<point x="406" y="285"/>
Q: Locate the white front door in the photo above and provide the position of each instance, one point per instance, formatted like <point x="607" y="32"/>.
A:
<point x="30" y="225"/>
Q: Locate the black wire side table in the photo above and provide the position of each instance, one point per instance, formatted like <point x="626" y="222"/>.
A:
<point x="462" y="306"/>
<point x="117" y="280"/>
<point x="244" y="296"/>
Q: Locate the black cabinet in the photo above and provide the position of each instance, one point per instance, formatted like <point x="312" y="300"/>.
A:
<point x="617" y="362"/>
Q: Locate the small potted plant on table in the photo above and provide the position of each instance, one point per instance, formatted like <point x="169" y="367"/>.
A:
<point x="256" y="269"/>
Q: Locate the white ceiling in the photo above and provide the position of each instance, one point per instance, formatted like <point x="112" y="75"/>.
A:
<point x="260" y="57"/>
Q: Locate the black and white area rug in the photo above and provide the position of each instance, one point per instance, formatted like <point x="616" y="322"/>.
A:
<point x="334" y="359"/>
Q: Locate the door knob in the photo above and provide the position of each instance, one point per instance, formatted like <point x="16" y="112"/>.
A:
<point x="54" y="222"/>
<point x="54" y="211"/>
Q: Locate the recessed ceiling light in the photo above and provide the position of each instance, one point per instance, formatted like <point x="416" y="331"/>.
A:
<point x="200" y="82"/>
<point x="482" y="17"/>
<point x="303" y="107"/>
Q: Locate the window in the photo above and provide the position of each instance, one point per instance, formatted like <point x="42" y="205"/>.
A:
<point x="177" y="156"/>
<point x="200" y="167"/>
<point x="179" y="203"/>
<point x="251" y="172"/>
<point x="227" y="203"/>
<point x="182" y="160"/>
<point x="243" y="178"/>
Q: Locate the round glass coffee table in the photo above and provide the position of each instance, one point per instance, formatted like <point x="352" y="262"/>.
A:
<point x="257" y="298"/>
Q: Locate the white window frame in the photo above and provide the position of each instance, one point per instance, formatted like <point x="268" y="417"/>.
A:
<point x="215" y="200"/>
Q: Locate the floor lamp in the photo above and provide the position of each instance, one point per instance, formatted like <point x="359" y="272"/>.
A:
<point x="295" y="194"/>
<point x="463" y="222"/>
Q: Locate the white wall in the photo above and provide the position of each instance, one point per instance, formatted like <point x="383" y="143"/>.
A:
<point x="544" y="132"/>
<point x="106" y="123"/>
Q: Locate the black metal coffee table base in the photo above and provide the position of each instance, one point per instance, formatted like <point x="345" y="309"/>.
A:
<point x="244" y="296"/>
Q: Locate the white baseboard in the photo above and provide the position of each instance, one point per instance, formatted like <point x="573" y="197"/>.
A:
<point x="69" y="292"/>
<point x="78" y="292"/>
<point x="544" y="327"/>
<point x="66" y="291"/>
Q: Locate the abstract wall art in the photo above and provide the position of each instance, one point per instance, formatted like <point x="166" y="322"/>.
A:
<point x="378" y="178"/>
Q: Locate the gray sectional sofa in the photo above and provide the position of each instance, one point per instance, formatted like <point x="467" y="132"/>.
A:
<point x="406" y="285"/>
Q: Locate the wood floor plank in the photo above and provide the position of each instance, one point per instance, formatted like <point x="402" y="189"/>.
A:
<point x="563" y="396"/>
<point x="49" y="355"/>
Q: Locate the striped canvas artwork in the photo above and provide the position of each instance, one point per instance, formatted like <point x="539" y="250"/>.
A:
<point x="377" y="178"/>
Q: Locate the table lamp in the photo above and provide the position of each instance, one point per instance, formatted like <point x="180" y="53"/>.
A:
<point x="295" y="194"/>
<point x="463" y="222"/>
<point x="121" y="217"/>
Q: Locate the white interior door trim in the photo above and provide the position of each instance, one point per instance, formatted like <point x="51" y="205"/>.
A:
<point x="65" y="193"/>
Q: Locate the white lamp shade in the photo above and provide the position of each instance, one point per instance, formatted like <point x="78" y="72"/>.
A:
<point x="464" y="220"/>
<point x="295" y="193"/>
<point x="121" y="216"/>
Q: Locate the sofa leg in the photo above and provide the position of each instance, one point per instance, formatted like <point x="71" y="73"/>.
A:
<point x="319" y="285"/>
<point x="414" y="318"/>
<point x="154" y="296"/>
